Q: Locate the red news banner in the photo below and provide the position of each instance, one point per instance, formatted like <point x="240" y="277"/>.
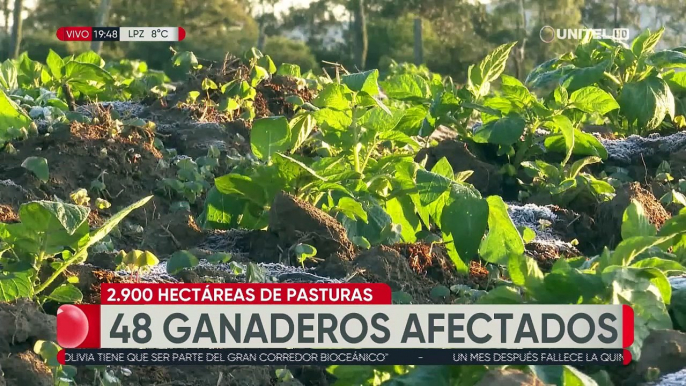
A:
<point x="301" y="294"/>
<point x="323" y="324"/>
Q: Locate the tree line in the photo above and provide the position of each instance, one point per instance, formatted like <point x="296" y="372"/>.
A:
<point x="446" y="36"/>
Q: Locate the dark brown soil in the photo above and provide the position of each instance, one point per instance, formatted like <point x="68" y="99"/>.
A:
<point x="167" y="233"/>
<point x="75" y="160"/>
<point x="428" y="260"/>
<point x="24" y="368"/>
<point x="547" y="254"/>
<point x="485" y="178"/>
<point x="610" y="214"/>
<point x="7" y="214"/>
<point x="384" y="264"/>
<point x="296" y="221"/>
<point x="664" y="350"/>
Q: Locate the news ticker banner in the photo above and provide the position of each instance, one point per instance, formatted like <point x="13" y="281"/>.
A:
<point x="123" y="34"/>
<point x="329" y="324"/>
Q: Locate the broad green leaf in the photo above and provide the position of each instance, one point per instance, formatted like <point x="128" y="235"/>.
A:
<point x="66" y="293"/>
<point x="268" y="136"/>
<point x="574" y="377"/>
<point x="85" y="72"/>
<point x="646" y="41"/>
<point x="351" y="208"/>
<point x="257" y="75"/>
<point x="366" y="82"/>
<point x="55" y="64"/>
<point x="181" y="260"/>
<point x="332" y="119"/>
<point x="221" y="211"/>
<point x="569" y="285"/>
<point x="667" y="59"/>
<point x="378" y="121"/>
<point x="48" y="351"/>
<point x="664" y="265"/>
<point x="11" y="116"/>
<point x="9" y="76"/>
<point x="90" y="57"/>
<point x="562" y="124"/>
<point x="443" y="168"/>
<point x="501" y="295"/>
<point x="287" y="69"/>
<point x="185" y="60"/>
<point x="646" y="103"/>
<point x="39" y="215"/>
<point x="241" y="185"/>
<point x="15" y="285"/>
<point x="515" y="90"/>
<point x="593" y="100"/>
<point x="431" y="186"/>
<point x="332" y="96"/>
<point x="503" y="131"/>
<point x="503" y="240"/>
<point x="219" y="258"/>
<point x="644" y="279"/>
<point x="635" y="222"/>
<point x="113" y="221"/>
<point x="577" y="166"/>
<point x="402" y="211"/>
<point x="630" y="248"/>
<point x="267" y="63"/>
<point x="584" y="144"/>
<point x="577" y="78"/>
<point x="524" y="272"/>
<point x="406" y="87"/>
<point x="38" y="166"/>
<point x="464" y="222"/>
<point x="489" y="69"/>
<point x="304" y="252"/>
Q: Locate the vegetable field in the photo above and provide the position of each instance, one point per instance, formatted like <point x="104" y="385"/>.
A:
<point x="568" y="187"/>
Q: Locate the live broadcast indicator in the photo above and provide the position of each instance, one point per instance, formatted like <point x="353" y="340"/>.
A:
<point x="124" y="34"/>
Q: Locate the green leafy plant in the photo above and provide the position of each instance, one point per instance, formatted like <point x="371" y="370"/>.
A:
<point x="48" y="229"/>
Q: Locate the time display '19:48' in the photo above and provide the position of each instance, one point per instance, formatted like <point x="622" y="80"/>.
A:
<point x="106" y="34"/>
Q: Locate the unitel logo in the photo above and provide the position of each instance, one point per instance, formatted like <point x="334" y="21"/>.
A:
<point x="548" y="34"/>
<point x="72" y="326"/>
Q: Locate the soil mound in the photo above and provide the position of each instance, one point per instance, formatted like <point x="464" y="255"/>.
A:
<point x="485" y="178"/>
<point x="610" y="213"/>
<point x="296" y="221"/>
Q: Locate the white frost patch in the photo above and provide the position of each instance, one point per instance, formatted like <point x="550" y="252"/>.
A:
<point x="673" y="379"/>
<point x="12" y="184"/>
<point x="279" y="272"/>
<point x="678" y="282"/>
<point x="530" y="215"/>
<point x="125" y="109"/>
<point x="631" y="148"/>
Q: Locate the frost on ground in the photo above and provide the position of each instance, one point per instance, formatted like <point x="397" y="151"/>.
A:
<point x="125" y="109"/>
<point x="674" y="379"/>
<point x="632" y="148"/>
<point x="534" y="217"/>
<point x="678" y="282"/>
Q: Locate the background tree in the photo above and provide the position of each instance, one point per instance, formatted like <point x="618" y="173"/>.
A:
<point x="17" y="28"/>
<point x="101" y="20"/>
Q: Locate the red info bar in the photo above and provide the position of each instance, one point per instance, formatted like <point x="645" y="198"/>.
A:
<point x="75" y="34"/>
<point x="240" y="293"/>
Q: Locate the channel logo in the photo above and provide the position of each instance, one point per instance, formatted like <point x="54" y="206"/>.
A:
<point x="78" y="326"/>
<point x="549" y="34"/>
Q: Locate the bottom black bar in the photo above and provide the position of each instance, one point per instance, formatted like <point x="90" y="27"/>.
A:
<point x="343" y="357"/>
